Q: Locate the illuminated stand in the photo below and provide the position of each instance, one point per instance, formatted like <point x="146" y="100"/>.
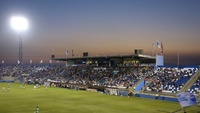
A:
<point x="19" y="24"/>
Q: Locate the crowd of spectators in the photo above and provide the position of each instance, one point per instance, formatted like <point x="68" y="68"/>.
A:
<point x="170" y="79"/>
<point x="157" y="80"/>
<point x="100" y="76"/>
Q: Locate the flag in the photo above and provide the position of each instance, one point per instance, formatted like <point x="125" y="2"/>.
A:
<point x="41" y="61"/>
<point x="72" y="52"/>
<point x="187" y="99"/>
<point x="67" y="52"/>
<point x="18" y="62"/>
<point x="158" y="44"/>
<point x="153" y="48"/>
<point x="50" y="61"/>
<point x="2" y="61"/>
<point x="161" y="47"/>
<point x="30" y="61"/>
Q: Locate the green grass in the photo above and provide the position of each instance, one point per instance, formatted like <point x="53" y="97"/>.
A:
<point x="60" y="100"/>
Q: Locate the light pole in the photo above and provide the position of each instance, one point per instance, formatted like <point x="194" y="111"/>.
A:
<point x="19" y="24"/>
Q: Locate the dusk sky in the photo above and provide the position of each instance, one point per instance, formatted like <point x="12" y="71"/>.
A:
<point x="102" y="27"/>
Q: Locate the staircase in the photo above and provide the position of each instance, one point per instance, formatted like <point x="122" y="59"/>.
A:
<point x="147" y="84"/>
<point x="10" y="78"/>
<point x="13" y="72"/>
<point x="190" y="82"/>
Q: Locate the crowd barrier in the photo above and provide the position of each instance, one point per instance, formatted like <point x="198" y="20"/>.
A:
<point x="6" y="81"/>
<point x="171" y="99"/>
<point x="123" y="93"/>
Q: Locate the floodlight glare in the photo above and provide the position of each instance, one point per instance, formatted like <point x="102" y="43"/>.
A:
<point x="19" y="23"/>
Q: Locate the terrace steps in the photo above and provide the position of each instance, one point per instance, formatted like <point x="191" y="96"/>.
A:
<point x="190" y="82"/>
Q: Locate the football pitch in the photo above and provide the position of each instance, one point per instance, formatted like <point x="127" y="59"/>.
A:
<point x="62" y="100"/>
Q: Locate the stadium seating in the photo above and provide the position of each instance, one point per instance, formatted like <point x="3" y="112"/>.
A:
<point x="167" y="80"/>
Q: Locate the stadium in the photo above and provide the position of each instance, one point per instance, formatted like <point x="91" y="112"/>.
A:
<point x="77" y="56"/>
<point x="99" y="84"/>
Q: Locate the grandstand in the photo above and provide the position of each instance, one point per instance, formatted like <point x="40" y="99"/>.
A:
<point x="144" y="81"/>
<point x="118" y="80"/>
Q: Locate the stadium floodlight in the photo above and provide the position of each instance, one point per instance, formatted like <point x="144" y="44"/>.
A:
<point x="19" y="24"/>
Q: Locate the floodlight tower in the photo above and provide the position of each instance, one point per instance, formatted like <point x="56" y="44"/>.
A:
<point x="20" y="24"/>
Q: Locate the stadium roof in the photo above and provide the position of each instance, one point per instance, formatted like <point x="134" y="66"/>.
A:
<point x="140" y="57"/>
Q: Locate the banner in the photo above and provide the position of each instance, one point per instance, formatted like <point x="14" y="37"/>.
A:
<point x="186" y="99"/>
